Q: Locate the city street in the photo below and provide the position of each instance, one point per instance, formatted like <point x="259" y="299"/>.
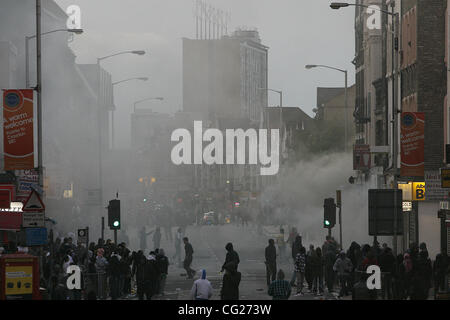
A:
<point x="217" y="129"/>
<point x="209" y="254"/>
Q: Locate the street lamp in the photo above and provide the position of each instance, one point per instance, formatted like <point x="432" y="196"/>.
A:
<point x="112" y="113"/>
<point x="137" y="52"/>
<point x="395" y="111"/>
<point x="311" y="66"/>
<point x="281" y="102"/>
<point x="153" y="98"/>
<point x="338" y="5"/>
<point x="38" y="88"/>
<point x="28" y="38"/>
<point x="137" y="78"/>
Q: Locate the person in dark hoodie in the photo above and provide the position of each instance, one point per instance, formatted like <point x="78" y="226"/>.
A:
<point x="151" y="276"/>
<point x="422" y="273"/>
<point x="230" y="283"/>
<point x="387" y="263"/>
<point x="231" y="256"/>
<point x="139" y="270"/>
<point x="114" y="279"/>
<point x="163" y="266"/>
<point x="271" y="262"/>
<point x="189" y="251"/>
<point x="399" y="279"/>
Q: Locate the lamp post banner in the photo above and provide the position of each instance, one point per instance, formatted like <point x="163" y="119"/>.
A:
<point x="412" y="141"/>
<point x="18" y="129"/>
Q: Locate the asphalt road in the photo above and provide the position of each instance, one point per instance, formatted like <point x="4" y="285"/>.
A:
<point x="209" y="254"/>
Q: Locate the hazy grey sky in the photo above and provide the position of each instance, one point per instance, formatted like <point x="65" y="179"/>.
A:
<point x="298" y="32"/>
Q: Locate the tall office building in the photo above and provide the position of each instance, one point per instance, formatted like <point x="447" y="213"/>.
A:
<point x="222" y="77"/>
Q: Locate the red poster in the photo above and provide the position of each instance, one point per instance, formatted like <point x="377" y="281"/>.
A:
<point x="18" y="129"/>
<point x="412" y="140"/>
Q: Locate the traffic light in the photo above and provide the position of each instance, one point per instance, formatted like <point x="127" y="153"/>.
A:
<point x="329" y="216"/>
<point x="114" y="214"/>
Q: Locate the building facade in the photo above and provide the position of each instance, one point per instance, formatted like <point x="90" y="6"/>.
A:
<point x="401" y="68"/>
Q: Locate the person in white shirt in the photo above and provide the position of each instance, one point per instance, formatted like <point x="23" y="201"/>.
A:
<point x="202" y="289"/>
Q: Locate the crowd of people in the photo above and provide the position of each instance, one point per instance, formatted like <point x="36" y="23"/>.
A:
<point x="112" y="271"/>
<point x="406" y="276"/>
<point x="108" y="270"/>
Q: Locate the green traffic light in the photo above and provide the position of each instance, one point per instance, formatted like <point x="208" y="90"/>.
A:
<point x="116" y="223"/>
<point x="145" y="200"/>
<point x="327" y="223"/>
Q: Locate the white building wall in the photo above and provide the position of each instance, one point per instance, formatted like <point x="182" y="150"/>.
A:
<point x="429" y="227"/>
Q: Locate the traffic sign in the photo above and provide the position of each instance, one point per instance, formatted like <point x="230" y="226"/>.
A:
<point x="34" y="202"/>
<point x="36" y="236"/>
<point x="82" y="235"/>
<point x="33" y="219"/>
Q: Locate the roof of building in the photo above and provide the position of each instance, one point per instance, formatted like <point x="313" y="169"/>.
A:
<point x="326" y="94"/>
<point x="291" y="116"/>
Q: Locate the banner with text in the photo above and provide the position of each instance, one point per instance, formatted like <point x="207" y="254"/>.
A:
<point x="18" y="129"/>
<point x="412" y="140"/>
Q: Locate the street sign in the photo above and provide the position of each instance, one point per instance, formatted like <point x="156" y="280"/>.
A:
<point x="383" y="205"/>
<point x="418" y="191"/>
<point x="33" y="203"/>
<point x="36" y="236"/>
<point x="445" y="178"/>
<point x="407" y="205"/>
<point x="82" y="235"/>
<point x="32" y="219"/>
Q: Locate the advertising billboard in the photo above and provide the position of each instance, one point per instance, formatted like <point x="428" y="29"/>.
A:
<point x="18" y="129"/>
<point x="412" y="140"/>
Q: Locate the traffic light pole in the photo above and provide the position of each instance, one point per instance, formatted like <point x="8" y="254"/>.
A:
<point x="103" y="229"/>
<point x="115" y="236"/>
<point x="340" y="227"/>
<point x="339" y="205"/>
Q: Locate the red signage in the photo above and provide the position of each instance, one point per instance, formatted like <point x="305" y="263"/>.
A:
<point x="18" y="129"/>
<point x="412" y="140"/>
